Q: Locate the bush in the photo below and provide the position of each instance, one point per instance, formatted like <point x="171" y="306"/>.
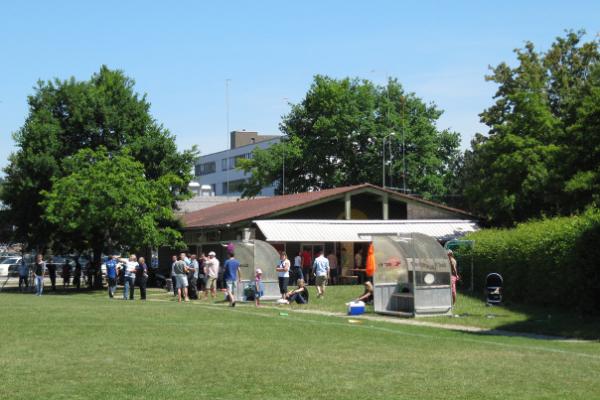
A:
<point x="549" y="262"/>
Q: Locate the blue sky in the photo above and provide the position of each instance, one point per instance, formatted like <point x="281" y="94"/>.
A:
<point x="181" y="52"/>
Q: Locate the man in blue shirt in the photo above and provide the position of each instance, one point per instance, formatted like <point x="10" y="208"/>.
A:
<point x="321" y="271"/>
<point x="232" y="277"/>
<point x="111" y="275"/>
<point x="23" y="275"/>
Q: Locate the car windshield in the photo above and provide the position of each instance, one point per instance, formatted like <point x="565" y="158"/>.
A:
<point x="10" y="261"/>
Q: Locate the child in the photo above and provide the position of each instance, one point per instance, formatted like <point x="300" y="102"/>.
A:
<point x="259" y="287"/>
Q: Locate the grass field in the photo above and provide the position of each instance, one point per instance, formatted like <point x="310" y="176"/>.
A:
<point x="88" y="347"/>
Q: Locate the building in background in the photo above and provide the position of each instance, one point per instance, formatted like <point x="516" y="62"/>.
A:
<point x="218" y="170"/>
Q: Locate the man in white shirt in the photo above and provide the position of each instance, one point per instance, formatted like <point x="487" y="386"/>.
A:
<point x="211" y="270"/>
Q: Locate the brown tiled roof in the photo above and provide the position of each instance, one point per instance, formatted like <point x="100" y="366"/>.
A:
<point x="243" y="210"/>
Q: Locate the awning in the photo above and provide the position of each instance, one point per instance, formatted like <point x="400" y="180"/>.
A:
<point x="282" y="230"/>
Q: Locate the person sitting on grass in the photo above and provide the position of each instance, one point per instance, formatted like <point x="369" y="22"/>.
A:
<point x="367" y="296"/>
<point x="298" y="295"/>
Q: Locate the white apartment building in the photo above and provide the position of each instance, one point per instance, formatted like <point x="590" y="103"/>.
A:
<point x="219" y="169"/>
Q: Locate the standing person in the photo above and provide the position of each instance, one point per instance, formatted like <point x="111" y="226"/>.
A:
<point x="231" y="274"/>
<point x="23" y="275"/>
<point x="111" y="275"/>
<point x="201" y="275"/>
<point x="181" y="270"/>
<point x="259" y="287"/>
<point x="321" y="268"/>
<point x="454" y="274"/>
<point x="333" y="267"/>
<point x="141" y="277"/>
<point x="306" y="264"/>
<point x="211" y="269"/>
<point x="296" y="272"/>
<point x="358" y="265"/>
<point x="129" y="274"/>
<point x="66" y="274"/>
<point x="194" y="268"/>
<point x="77" y="275"/>
<point x="52" y="274"/>
<point x="39" y="269"/>
<point x="283" y="273"/>
<point x="173" y="279"/>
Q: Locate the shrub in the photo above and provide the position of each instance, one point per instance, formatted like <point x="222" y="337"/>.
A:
<point x="549" y="262"/>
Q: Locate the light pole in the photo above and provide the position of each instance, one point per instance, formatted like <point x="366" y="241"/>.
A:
<point x="228" y="133"/>
<point x="283" y="163"/>
<point x="383" y="157"/>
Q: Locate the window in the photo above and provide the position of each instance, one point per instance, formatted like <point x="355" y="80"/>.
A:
<point x="234" y="186"/>
<point x="206" y="168"/>
<point x="224" y="164"/>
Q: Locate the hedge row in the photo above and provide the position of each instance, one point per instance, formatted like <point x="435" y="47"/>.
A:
<point x="550" y="262"/>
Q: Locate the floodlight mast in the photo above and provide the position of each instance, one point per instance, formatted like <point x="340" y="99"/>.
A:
<point x="389" y="135"/>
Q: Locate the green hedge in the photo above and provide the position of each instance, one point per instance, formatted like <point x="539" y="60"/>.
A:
<point x="550" y="262"/>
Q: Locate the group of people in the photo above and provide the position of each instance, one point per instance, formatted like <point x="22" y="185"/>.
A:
<point x="41" y="268"/>
<point x="192" y="275"/>
<point x="320" y="269"/>
<point x="134" y="272"/>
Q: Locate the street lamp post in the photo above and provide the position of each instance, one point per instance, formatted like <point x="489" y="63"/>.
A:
<point x="383" y="157"/>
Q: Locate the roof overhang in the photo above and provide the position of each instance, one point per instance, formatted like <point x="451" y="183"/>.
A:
<point x="285" y="230"/>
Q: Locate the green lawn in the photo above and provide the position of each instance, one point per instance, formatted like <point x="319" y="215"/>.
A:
<point x="87" y="346"/>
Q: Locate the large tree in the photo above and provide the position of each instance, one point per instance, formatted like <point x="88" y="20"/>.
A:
<point x="104" y="201"/>
<point x="68" y="116"/>
<point x="335" y="137"/>
<point x="542" y="153"/>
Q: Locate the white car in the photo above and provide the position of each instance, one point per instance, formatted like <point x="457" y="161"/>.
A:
<point x="6" y="263"/>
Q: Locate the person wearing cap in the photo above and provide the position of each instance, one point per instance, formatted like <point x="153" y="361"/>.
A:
<point x="211" y="270"/>
<point x="454" y="274"/>
<point x="259" y="287"/>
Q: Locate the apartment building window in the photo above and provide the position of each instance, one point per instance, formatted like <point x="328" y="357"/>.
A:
<point x="224" y="164"/>
<point x="206" y="168"/>
<point x="234" y="186"/>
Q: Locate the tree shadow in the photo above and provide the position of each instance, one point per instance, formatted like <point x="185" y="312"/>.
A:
<point x="534" y="321"/>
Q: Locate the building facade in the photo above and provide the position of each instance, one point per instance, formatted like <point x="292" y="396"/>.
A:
<point x="219" y="169"/>
<point x="341" y="221"/>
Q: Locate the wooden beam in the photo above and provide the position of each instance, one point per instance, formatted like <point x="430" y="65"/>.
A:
<point x="348" y="206"/>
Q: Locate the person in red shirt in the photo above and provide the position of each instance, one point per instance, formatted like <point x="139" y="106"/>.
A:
<point x="306" y="264"/>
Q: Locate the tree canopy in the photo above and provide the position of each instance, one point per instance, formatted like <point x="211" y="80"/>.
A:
<point x="335" y="137"/>
<point x="104" y="198"/>
<point x="542" y="153"/>
<point x="103" y="115"/>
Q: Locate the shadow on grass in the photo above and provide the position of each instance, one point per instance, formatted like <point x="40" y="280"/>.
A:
<point x="541" y="322"/>
<point x="58" y="292"/>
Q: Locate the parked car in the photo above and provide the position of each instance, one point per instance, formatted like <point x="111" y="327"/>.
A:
<point x="6" y="263"/>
